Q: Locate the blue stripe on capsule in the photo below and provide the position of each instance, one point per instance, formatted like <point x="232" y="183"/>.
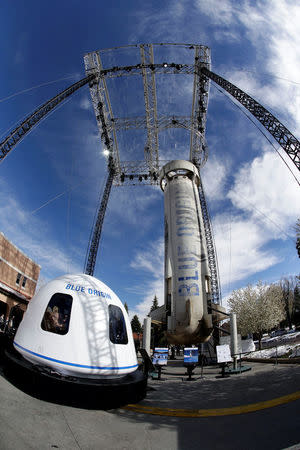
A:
<point x="73" y="364"/>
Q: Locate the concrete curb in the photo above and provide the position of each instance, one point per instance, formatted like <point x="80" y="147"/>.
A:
<point x="214" y="412"/>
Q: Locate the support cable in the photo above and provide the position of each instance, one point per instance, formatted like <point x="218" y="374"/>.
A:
<point x="34" y="87"/>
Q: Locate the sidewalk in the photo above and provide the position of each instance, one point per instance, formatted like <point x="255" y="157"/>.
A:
<point x="209" y="390"/>
<point x="30" y="420"/>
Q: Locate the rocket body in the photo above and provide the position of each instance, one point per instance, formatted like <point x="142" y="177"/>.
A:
<point x="187" y="275"/>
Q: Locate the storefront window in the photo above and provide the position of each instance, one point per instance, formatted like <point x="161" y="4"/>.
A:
<point x="117" y="326"/>
<point x="57" y="315"/>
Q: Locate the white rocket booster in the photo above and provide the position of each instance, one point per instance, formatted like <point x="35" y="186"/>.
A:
<point x="187" y="274"/>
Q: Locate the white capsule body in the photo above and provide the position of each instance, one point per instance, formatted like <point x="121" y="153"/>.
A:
<point x="89" y="334"/>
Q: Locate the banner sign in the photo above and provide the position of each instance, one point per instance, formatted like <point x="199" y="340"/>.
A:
<point x="190" y="355"/>
<point x="160" y="356"/>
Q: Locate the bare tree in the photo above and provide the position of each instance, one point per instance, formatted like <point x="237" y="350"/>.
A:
<point x="258" y="308"/>
<point x="288" y="285"/>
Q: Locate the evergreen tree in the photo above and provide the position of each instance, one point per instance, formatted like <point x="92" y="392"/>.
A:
<point x="154" y="304"/>
<point x="136" y="324"/>
<point x="126" y="307"/>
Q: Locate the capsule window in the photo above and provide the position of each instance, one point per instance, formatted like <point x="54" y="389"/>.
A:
<point x="117" y="326"/>
<point x="57" y="315"/>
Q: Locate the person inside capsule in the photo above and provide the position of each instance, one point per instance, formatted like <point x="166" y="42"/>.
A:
<point x="57" y="315"/>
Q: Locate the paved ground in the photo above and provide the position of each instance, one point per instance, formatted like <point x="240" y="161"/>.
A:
<point x="43" y="419"/>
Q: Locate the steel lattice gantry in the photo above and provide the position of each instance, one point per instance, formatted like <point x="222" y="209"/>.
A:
<point x="146" y="171"/>
<point x="152" y="122"/>
<point x="151" y="147"/>
<point x="93" y="246"/>
<point x="283" y="136"/>
<point x="96" y="76"/>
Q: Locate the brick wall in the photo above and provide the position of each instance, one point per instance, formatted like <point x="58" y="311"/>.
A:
<point x="17" y="270"/>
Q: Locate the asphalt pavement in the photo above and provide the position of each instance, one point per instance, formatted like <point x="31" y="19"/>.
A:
<point x="257" y="409"/>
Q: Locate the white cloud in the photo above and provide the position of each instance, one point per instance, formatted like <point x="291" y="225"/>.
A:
<point x="266" y="205"/>
<point x="151" y="261"/>
<point x="265" y="189"/>
<point x="31" y="235"/>
<point x="214" y="175"/>
<point x="154" y="24"/>
<point x="273" y="30"/>
<point x="85" y="103"/>
<point x="133" y="204"/>
<point x="218" y="12"/>
<point x="239" y="243"/>
<point x="154" y="287"/>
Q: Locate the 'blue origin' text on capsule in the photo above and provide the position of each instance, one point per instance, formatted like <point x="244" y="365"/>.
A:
<point x="89" y="291"/>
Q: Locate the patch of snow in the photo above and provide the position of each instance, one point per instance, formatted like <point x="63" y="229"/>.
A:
<point x="295" y="353"/>
<point x="271" y="352"/>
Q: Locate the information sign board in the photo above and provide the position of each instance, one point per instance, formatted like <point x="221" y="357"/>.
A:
<point x="190" y="355"/>
<point x="160" y="356"/>
<point x="227" y="340"/>
<point x="223" y="353"/>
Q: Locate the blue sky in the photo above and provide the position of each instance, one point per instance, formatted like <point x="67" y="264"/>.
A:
<point x="50" y="183"/>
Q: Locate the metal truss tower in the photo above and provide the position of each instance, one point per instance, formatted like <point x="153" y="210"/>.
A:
<point x="122" y="171"/>
<point x="93" y="246"/>
<point x="146" y="171"/>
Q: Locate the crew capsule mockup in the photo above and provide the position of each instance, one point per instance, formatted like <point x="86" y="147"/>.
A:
<point x="187" y="274"/>
<point x="77" y="326"/>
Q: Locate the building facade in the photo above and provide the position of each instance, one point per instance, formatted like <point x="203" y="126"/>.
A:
<point x="18" y="279"/>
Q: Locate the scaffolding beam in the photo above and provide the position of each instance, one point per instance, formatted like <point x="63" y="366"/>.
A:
<point x="103" y="111"/>
<point x="198" y="147"/>
<point x="151" y="147"/>
<point x="27" y="124"/>
<point x="280" y="133"/>
<point x="93" y="246"/>
<point x="210" y="244"/>
<point x="147" y="69"/>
